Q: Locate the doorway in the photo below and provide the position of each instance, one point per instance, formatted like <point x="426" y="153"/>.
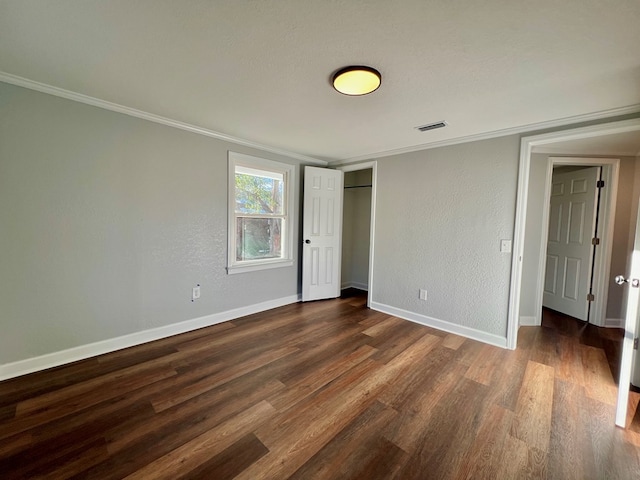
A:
<point x="358" y="224"/>
<point x="532" y="168"/>
<point x="573" y="241"/>
<point x="536" y="238"/>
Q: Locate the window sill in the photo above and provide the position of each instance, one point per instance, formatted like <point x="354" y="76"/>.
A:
<point x="232" y="270"/>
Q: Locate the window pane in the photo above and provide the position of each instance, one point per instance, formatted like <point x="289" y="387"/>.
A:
<point x="259" y="194"/>
<point x="258" y="238"/>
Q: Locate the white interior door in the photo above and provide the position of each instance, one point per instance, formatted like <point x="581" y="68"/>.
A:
<point x="572" y="217"/>
<point x="321" y="233"/>
<point x="632" y="282"/>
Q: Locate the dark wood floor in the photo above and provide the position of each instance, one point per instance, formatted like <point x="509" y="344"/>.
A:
<point x="327" y="390"/>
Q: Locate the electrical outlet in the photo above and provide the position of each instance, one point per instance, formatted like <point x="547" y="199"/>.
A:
<point x="423" y="294"/>
<point x="195" y="292"/>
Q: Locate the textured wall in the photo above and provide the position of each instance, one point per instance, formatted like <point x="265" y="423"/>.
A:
<point x="440" y="216"/>
<point x="107" y="222"/>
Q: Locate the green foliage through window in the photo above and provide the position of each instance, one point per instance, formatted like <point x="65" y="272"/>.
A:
<point x="258" y="195"/>
<point x="259" y="212"/>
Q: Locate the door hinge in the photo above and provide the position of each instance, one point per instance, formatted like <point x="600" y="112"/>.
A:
<point x="590" y="297"/>
<point x="600" y="184"/>
<point x="595" y="241"/>
<point x="635" y="343"/>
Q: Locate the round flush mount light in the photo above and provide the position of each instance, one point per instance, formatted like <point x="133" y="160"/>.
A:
<point x="356" y="80"/>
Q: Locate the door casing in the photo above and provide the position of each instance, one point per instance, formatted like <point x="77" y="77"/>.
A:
<point x="601" y="267"/>
<point x="374" y="175"/>
<point x="526" y="147"/>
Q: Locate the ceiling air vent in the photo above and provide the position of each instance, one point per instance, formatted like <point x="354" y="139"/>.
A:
<point x="432" y="126"/>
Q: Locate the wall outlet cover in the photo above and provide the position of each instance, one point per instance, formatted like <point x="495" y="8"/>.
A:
<point x="195" y="293"/>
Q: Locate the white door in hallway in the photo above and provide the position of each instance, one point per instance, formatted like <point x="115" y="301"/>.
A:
<point x="629" y="356"/>
<point x="572" y="218"/>
<point x="321" y="233"/>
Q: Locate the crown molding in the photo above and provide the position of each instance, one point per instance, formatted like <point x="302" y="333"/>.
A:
<point x="567" y="151"/>
<point x="529" y="128"/>
<point x="114" y="107"/>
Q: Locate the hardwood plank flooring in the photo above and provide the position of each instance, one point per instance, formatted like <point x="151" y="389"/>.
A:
<point x="532" y="423"/>
<point x="328" y="390"/>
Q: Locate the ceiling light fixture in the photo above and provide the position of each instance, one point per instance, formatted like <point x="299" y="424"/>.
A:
<point x="356" y="80"/>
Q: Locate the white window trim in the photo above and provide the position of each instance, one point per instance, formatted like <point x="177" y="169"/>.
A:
<point x="288" y="171"/>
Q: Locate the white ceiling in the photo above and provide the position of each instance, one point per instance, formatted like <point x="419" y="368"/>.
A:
<point x="259" y="70"/>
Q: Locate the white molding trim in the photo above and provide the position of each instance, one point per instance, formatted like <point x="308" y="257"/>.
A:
<point x="443" y="325"/>
<point x="49" y="360"/>
<point x="357" y="285"/>
<point x="522" y="193"/>
<point x="133" y="112"/>
<point x="372" y="226"/>
<point x="614" y="323"/>
<point x="572" y="153"/>
<point x="529" y="322"/>
<point x="531" y="127"/>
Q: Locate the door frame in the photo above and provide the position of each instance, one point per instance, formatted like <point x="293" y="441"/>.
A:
<point x="606" y="214"/>
<point x="630" y="332"/>
<point x="526" y="149"/>
<point x="373" y="165"/>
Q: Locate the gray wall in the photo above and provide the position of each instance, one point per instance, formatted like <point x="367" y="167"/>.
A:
<point x="107" y="222"/>
<point x="356" y="229"/>
<point x="440" y="216"/>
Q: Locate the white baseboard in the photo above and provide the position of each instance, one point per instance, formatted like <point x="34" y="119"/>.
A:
<point x="356" y="285"/>
<point x="468" y="332"/>
<point x="614" y="322"/>
<point x="42" y="362"/>
<point x="529" y="322"/>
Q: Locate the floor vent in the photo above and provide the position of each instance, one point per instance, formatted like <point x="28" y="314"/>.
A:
<point x="431" y="126"/>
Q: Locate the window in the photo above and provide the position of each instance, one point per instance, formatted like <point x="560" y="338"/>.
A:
<point x="260" y="206"/>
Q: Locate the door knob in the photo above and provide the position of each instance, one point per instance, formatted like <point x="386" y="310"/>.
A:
<point x="307" y="241"/>
<point x="634" y="281"/>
